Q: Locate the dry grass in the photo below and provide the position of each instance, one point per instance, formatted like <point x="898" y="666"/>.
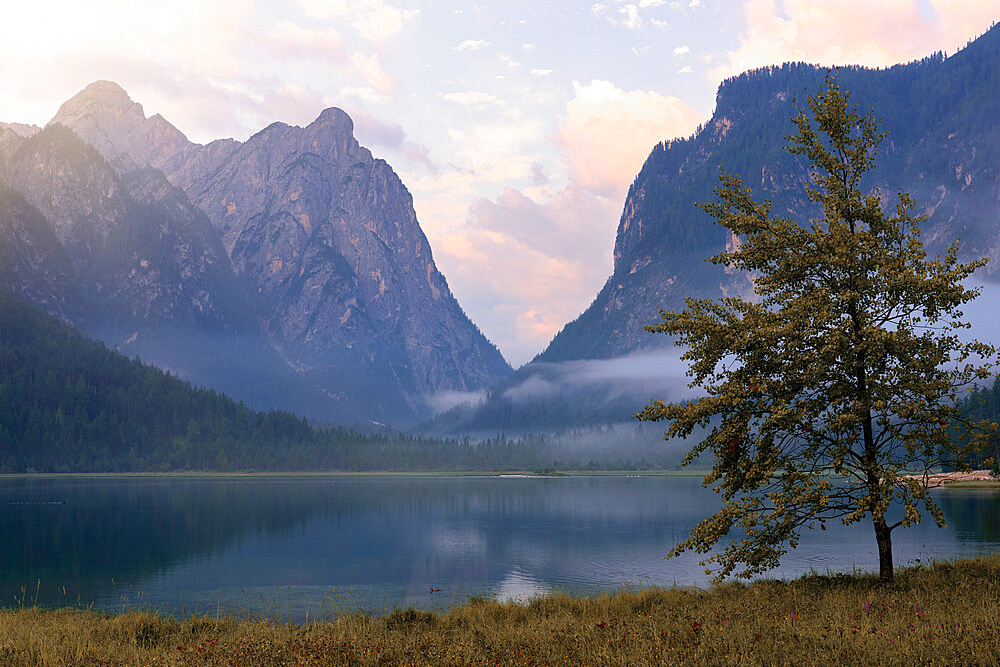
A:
<point x="944" y="614"/>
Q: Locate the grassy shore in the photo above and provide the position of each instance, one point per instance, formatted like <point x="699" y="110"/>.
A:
<point x="946" y="613"/>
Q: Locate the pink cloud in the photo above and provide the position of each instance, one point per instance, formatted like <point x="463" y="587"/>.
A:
<point x="607" y="133"/>
<point x="853" y="32"/>
<point x="288" y="40"/>
<point x="370" y="68"/>
<point x="530" y="267"/>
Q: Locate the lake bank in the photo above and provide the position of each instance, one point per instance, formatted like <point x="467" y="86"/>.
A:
<point x="959" y="479"/>
<point x="944" y="613"/>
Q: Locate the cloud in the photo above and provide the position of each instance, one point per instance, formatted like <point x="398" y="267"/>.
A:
<point x="363" y="93"/>
<point x="372" y="131"/>
<point x="509" y="62"/>
<point x="538" y="175"/>
<point x="540" y="72"/>
<point x="607" y="133"/>
<point x="829" y="32"/>
<point x="370" y="67"/>
<point x="529" y="266"/>
<point x="288" y="40"/>
<point x="471" y="45"/>
<point x="659" y="372"/>
<point x="474" y="99"/>
<point x="682" y="50"/>
<point x="531" y="260"/>
<point x="631" y="14"/>
<point x="373" y="20"/>
<point x="446" y="400"/>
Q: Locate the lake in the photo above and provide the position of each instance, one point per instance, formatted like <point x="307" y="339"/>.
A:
<point x="316" y="545"/>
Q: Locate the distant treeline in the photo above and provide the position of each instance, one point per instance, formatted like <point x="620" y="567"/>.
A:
<point x="984" y="403"/>
<point x="69" y="404"/>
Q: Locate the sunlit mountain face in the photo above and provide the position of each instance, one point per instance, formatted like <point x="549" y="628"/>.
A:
<point x="289" y="271"/>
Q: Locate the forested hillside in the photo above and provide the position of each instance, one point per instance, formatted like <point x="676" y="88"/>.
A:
<point x="69" y="404"/>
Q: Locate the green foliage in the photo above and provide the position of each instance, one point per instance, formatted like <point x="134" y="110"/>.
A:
<point x="846" y="363"/>
<point x="983" y="405"/>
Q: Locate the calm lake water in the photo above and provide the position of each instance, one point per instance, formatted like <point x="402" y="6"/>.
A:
<point x="288" y="546"/>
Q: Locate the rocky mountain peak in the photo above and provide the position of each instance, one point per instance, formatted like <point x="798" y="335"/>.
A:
<point x="298" y="250"/>
<point x="103" y="115"/>
<point x="20" y="129"/>
<point x="102" y="99"/>
<point x="332" y="134"/>
<point x="334" y="120"/>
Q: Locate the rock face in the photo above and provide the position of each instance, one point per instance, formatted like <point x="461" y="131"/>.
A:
<point x="293" y="262"/>
<point x="106" y="118"/>
<point x="20" y="129"/>
<point x="942" y="147"/>
<point x="33" y="264"/>
<point x="338" y="269"/>
<point x="140" y="250"/>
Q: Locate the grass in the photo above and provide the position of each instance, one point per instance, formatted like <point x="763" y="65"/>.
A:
<point x="974" y="484"/>
<point x="945" y="613"/>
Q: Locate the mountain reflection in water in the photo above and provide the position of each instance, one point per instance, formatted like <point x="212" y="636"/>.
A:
<point x="320" y="544"/>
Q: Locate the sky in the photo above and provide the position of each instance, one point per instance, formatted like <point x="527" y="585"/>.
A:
<point x="516" y="126"/>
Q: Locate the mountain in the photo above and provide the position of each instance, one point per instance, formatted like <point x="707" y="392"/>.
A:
<point x="289" y="270"/>
<point x="130" y="260"/>
<point x="20" y="129"/>
<point x="340" y="273"/>
<point x="33" y="264"/>
<point x="942" y="147"/>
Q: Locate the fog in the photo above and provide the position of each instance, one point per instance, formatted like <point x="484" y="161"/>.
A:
<point x="446" y="400"/>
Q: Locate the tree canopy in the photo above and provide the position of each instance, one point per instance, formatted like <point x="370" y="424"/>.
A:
<point x="839" y="379"/>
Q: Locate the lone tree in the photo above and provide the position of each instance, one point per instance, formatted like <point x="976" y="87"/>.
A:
<point x="846" y="363"/>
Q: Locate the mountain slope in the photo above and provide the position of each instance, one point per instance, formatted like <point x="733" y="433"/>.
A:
<point x="943" y="147"/>
<point x="339" y="270"/>
<point x="68" y="404"/>
<point x="310" y="248"/>
<point x="33" y="264"/>
<point x="131" y="261"/>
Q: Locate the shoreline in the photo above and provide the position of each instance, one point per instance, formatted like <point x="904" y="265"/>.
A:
<point x="958" y="479"/>
<point x="815" y="619"/>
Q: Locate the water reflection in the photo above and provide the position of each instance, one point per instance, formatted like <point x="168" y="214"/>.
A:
<point x="307" y="544"/>
<point x="519" y="587"/>
<point x="972" y="514"/>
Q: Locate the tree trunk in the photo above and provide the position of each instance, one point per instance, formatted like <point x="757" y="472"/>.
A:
<point x="883" y="536"/>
